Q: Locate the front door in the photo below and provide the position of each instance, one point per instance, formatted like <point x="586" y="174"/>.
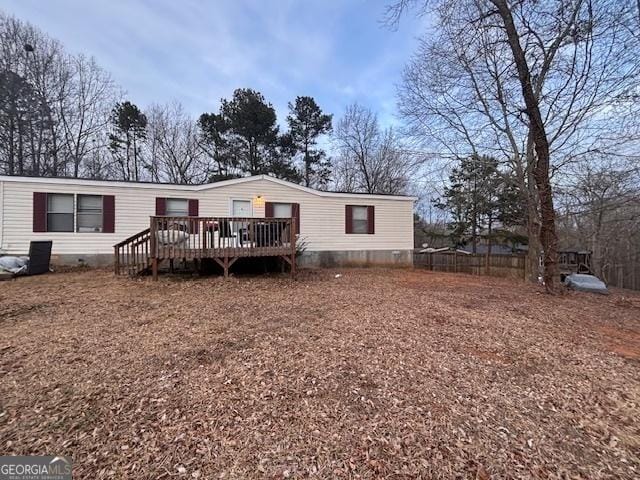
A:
<point x="241" y="208"/>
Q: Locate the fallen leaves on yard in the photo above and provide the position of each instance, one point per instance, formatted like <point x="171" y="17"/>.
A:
<point x="384" y="373"/>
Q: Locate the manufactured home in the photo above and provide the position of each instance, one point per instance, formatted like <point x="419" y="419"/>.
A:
<point x="251" y="216"/>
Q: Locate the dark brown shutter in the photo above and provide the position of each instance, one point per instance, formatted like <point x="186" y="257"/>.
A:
<point x="161" y="206"/>
<point x="371" y="219"/>
<point x="295" y="213"/>
<point x="39" y="212"/>
<point x="268" y="210"/>
<point x="348" y="219"/>
<point x="108" y="213"/>
<point x="193" y="206"/>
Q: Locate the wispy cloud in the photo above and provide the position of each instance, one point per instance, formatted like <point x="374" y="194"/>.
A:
<point x="197" y="52"/>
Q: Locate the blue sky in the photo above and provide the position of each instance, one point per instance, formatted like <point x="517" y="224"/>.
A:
<point x="196" y="52"/>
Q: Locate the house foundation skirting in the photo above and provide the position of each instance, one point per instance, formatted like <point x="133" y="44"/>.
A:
<point x="324" y="259"/>
<point x="357" y="258"/>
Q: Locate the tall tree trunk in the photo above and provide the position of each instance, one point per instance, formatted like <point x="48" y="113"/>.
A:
<point x="20" y="149"/>
<point x="548" y="237"/>
<point x="307" y="166"/>
<point x="489" y="242"/>
<point x="135" y="159"/>
<point x="533" y="218"/>
<point x="11" y="159"/>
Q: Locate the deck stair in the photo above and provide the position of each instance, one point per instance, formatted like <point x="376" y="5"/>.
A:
<point x="132" y="256"/>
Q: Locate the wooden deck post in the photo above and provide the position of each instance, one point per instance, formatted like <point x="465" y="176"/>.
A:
<point x="116" y="259"/>
<point x="153" y="242"/>
<point x="293" y="247"/>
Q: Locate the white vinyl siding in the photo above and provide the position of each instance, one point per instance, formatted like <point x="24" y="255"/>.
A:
<point x="322" y="217"/>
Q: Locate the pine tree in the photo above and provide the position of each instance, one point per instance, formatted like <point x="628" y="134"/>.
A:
<point x="473" y="198"/>
<point x="252" y="129"/>
<point x="306" y="123"/>
<point x="242" y="139"/>
<point x="129" y="131"/>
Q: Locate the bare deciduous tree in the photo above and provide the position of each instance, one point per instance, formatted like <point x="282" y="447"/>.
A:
<point x="541" y="82"/>
<point x="173" y="140"/>
<point x="369" y="159"/>
<point x="53" y="107"/>
<point x="84" y="112"/>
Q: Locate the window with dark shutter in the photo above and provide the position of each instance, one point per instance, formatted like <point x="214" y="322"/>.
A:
<point x="283" y="210"/>
<point x="89" y="213"/>
<point x="60" y="212"/>
<point x="360" y="219"/>
<point x="176" y="207"/>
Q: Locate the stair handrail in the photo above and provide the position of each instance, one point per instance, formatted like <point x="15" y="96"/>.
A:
<point x="119" y="250"/>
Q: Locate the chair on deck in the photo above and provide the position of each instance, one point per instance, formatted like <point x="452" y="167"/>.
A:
<point x="271" y="235"/>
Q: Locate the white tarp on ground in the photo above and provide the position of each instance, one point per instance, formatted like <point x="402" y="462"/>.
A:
<point x="14" y="265"/>
<point x="586" y="283"/>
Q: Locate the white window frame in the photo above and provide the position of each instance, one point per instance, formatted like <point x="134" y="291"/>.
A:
<point x="282" y="203"/>
<point x="353" y="219"/>
<point x="76" y="211"/>
<point x="73" y="212"/>
<point x="168" y="199"/>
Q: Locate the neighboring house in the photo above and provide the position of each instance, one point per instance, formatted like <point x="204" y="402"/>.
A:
<point x="85" y="218"/>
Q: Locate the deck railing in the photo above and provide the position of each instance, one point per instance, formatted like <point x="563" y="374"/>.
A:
<point x="211" y="237"/>
<point x="223" y="239"/>
<point x="132" y="255"/>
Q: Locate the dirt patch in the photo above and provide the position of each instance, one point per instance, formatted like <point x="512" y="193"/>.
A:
<point x="622" y="341"/>
<point x="15" y="311"/>
<point x="374" y="374"/>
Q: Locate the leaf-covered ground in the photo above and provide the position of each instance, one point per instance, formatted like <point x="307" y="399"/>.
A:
<point x="377" y="373"/>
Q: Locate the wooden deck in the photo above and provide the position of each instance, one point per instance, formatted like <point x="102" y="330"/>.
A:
<point x="223" y="239"/>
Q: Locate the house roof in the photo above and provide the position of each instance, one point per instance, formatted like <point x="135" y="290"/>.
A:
<point x="197" y="188"/>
